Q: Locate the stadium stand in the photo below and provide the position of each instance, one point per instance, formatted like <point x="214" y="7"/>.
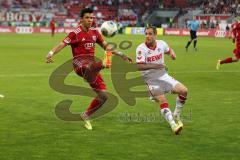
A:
<point x="126" y="12"/>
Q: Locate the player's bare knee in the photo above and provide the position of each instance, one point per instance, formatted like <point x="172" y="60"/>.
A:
<point x="103" y="97"/>
<point x="183" y="91"/>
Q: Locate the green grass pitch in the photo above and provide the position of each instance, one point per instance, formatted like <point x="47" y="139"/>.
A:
<point x="29" y="128"/>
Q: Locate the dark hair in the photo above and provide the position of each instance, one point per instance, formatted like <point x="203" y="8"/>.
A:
<point x="85" y="10"/>
<point x="153" y="28"/>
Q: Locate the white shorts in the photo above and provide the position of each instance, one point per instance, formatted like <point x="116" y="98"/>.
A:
<point x="161" y="85"/>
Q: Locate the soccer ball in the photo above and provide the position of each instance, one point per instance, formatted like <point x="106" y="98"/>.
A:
<point x="109" y="28"/>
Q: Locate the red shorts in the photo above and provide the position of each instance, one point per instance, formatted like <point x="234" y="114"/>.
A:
<point x="236" y="52"/>
<point x="94" y="79"/>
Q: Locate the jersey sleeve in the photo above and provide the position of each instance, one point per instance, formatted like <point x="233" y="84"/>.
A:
<point x="234" y="32"/>
<point x="140" y="56"/>
<point x="99" y="38"/>
<point x="70" y="39"/>
<point x="165" y="46"/>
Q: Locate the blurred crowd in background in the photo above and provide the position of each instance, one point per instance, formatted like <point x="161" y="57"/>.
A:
<point x="133" y="13"/>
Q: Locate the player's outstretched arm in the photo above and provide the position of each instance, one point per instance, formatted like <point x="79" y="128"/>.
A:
<point x="171" y="54"/>
<point x="107" y="47"/>
<point x="53" y="51"/>
<point x="123" y="56"/>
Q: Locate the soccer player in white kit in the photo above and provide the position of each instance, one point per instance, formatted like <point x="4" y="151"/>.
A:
<point x="150" y="61"/>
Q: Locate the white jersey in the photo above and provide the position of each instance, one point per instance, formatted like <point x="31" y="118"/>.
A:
<point x="156" y="56"/>
<point x="157" y="80"/>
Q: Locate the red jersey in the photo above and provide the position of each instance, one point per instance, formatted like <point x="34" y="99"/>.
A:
<point x="83" y="49"/>
<point x="236" y="34"/>
<point x="82" y="42"/>
<point x="52" y="24"/>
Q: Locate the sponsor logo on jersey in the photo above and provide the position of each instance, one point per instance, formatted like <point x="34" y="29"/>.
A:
<point x="89" y="45"/>
<point x="154" y="58"/>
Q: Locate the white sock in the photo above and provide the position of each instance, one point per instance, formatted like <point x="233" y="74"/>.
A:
<point x="177" y="111"/>
<point x="178" y="108"/>
<point x="167" y="114"/>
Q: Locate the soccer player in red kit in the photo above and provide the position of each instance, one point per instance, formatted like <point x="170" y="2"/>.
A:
<point x="52" y="26"/>
<point x="235" y="32"/>
<point x="82" y="41"/>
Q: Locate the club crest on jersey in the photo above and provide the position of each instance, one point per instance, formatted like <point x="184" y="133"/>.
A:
<point x="139" y="52"/>
<point x="149" y="52"/>
<point x="159" y="49"/>
<point x="94" y="38"/>
<point x="83" y="39"/>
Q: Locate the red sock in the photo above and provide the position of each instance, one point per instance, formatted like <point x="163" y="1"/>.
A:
<point x="164" y="105"/>
<point x="182" y="99"/>
<point x="227" y="60"/>
<point x="95" y="105"/>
